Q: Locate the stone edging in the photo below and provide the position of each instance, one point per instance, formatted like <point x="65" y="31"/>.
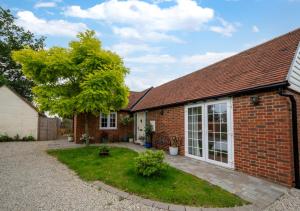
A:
<point x="166" y="206"/>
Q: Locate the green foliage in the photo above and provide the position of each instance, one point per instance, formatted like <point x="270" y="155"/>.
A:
<point x="149" y="132"/>
<point x="13" y="37"/>
<point x="126" y="120"/>
<point x="103" y="149"/>
<point x="150" y="163"/>
<point x="83" y="78"/>
<point x="28" y="138"/>
<point x="118" y="170"/>
<point x="6" y="138"/>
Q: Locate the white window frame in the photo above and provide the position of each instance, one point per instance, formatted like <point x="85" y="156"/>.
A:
<point x="230" y="133"/>
<point x="108" y="121"/>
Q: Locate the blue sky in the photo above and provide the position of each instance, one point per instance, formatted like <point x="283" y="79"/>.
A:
<point x="160" y="40"/>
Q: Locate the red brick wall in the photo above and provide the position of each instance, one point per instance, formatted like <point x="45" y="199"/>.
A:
<point x="262" y="137"/>
<point x="94" y="131"/>
<point x="168" y="122"/>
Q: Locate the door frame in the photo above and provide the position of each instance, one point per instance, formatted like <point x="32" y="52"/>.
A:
<point x="230" y="133"/>
<point x="136" y="125"/>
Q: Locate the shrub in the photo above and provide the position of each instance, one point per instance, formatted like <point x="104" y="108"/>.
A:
<point x="103" y="150"/>
<point x="5" y="138"/>
<point x="28" y="138"/>
<point x="17" y="138"/>
<point x="150" y="163"/>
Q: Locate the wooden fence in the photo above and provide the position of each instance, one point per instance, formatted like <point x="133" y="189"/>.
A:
<point x="48" y="128"/>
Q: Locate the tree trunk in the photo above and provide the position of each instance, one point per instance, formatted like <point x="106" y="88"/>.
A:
<point x="86" y="128"/>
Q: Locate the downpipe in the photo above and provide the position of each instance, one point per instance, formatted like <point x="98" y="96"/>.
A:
<point x="294" y="137"/>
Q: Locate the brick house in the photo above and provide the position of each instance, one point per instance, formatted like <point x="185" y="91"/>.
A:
<point x="240" y="113"/>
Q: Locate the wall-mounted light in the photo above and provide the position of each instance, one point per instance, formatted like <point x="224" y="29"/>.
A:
<point x="255" y="100"/>
<point x="161" y="112"/>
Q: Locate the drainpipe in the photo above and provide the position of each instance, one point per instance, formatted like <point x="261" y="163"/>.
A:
<point x="295" y="136"/>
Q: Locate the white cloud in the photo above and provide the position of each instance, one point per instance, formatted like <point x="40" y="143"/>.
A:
<point x="145" y="20"/>
<point x="186" y="14"/>
<point x="255" y="29"/>
<point x="226" y="28"/>
<point x="132" y="33"/>
<point x="201" y="60"/>
<point x="45" y="4"/>
<point x="39" y="26"/>
<point x="152" y="59"/>
<point x="125" y="49"/>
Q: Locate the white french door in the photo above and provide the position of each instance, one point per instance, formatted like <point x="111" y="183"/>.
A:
<point x="208" y="132"/>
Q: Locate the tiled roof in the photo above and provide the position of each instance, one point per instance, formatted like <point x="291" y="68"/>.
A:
<point x="263" y="65"/>
<point x="134" y="98"/>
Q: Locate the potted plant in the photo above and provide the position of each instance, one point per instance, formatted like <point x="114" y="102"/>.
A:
<point x="103" y="151"/>
<point x="149" y="135"/>
<point x="130" y="138"/>
<point x="174" y="143"/>
<point x="86" y="139"/>
<point x="70" y="137"/>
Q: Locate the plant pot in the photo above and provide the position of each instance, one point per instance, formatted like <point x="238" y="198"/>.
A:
<point x="173" y="150"/>
<point x="70" y="138"/>
<point x="148" y="145"/>
<point x="131" y="140"/>
<point x="104" y="153"/>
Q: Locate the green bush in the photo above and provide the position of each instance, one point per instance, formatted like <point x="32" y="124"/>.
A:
<point x="28" y="138"/>
<point x="5" y="138"/>
<point x="103" y="149"/>
<point x="150" y="163"/>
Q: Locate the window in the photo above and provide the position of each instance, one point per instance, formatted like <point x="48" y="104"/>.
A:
<point x="108" y="121"/>
<point x="208" y="132"/>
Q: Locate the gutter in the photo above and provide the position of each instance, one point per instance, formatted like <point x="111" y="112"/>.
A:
<point x="239" y="92"/>
<point x="294" y="136"/>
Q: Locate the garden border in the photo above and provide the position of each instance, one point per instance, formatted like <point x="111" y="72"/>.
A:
<point x="167" y="206"/>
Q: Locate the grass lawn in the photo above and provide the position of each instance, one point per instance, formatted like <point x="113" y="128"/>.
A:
<point x="173" y="186"/>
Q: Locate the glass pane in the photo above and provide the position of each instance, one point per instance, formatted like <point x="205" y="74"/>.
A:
<point x="223" y="108"/>
<point x="210" y="118"/>
<point x="217" y="137"/>
<point x="224" y="128"/>
<point x="217" y="118"/>
<point x="224" y="137"/>
<point x="218" y="156"/>
<point x="224" y="158"/>
<point x="224" y="147"/>
<point x="210" y="109"/>
<point x="195" y="131"/>
<point x="211" y="155"/>
<point x="210" y="137"/>
<point x="224" y="117"/>
<point x="210" y="127"/>
<point x="217" y="146"/>
<point x="211" y="145"/>
<point x="217" y="132"/>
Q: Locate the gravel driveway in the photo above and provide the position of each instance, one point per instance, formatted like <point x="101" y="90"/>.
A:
<point x="32" y="180"/>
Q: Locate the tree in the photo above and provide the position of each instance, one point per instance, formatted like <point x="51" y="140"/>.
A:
<point x="83" y="78"/>
<point x="13" y="37"/>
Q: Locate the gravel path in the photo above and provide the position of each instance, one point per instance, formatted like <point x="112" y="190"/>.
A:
<point x="32" y="180"/>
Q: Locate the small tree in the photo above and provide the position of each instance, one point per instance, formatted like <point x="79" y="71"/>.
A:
<point x="83" y="78"/>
